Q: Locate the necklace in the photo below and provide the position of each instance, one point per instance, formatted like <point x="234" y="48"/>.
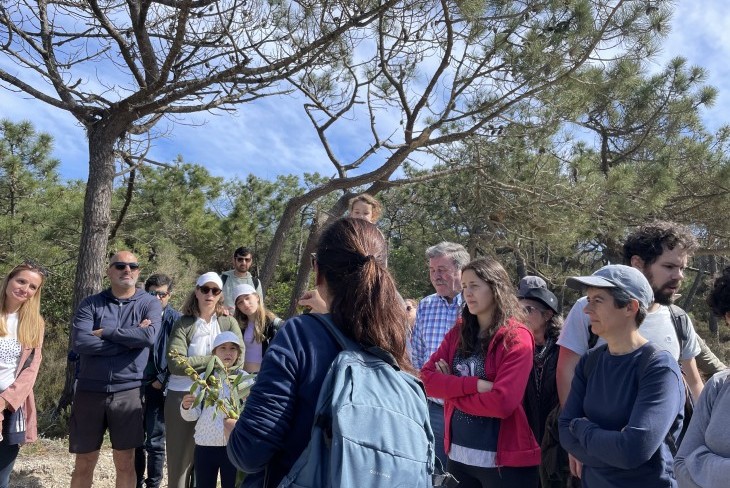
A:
<point x="539" y="362"/>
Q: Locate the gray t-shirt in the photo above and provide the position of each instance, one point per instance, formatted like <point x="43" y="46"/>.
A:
<point x="233" y="281"/>
<point x="657" y="327"/>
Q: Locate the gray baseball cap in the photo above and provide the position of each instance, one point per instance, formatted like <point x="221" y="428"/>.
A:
<point x="528" y="283"/>
<point x="625" y="278"/>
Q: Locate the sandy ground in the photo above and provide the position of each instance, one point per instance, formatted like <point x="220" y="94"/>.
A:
<point x="48" y="464"/>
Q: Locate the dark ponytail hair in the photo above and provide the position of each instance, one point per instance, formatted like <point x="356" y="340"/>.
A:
<point x="506" y="307"/>
<point x="352" y="257"/>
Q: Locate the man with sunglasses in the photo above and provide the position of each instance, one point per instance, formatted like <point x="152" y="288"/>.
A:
<point x="112" y="333"/>
<point x="239" y="275"/>
<point x="152" y="454"/>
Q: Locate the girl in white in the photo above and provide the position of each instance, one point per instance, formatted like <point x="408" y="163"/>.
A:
<point x="210" y="455"/>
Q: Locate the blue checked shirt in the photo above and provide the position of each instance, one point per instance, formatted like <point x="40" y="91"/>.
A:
<point x="434" y="318"/>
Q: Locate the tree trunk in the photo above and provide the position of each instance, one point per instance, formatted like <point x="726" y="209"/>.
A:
<point x="94" y="234"/>
<point x="687" y="300"/>
<point x="305" y="267"/>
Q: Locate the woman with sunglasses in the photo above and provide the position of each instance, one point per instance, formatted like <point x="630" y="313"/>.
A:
<point x="21" y="338"/>
<point x="192" y="336"/>
<point x="542" y="317"/>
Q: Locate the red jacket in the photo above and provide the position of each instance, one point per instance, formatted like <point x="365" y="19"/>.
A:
<point x="509" y="369"/>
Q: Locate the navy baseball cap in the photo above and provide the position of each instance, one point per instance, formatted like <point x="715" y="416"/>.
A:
<point x="544" y="296"/>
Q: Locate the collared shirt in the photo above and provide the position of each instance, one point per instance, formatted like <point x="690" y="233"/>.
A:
<point x="434" y="318"/>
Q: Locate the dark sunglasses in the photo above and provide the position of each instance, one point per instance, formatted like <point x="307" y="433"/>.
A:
<point x="207" y="289"/>
<point x="241" y="258"/>
<point x="161" y="294"/>
<point x="121" y="266"/>
<point x="529" y="309"/>
<point x="32" y="266"/>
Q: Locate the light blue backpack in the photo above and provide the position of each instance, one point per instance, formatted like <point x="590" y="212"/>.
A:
<point x="371" y="425"/>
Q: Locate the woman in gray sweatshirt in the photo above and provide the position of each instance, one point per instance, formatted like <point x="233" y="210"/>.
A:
<point x="703" y="459"/>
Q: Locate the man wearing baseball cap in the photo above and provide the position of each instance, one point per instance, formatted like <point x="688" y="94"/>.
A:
<point x="625" y="406"/>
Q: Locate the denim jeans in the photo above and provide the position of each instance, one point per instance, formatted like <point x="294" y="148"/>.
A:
<point x="152" y="455"/>
<point x="8" y="453"/>
<point x="436" y="416"/>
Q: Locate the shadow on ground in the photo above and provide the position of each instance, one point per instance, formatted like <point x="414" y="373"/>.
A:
<point x="25" y="480"/>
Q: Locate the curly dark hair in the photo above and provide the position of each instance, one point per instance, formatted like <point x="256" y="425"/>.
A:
<point x="719" y="297"/>
<point x="651" y="240"/>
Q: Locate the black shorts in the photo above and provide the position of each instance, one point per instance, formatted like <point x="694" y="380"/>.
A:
<point x="92" y="413"/>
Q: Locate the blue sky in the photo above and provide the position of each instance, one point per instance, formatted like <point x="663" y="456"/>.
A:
<point x="273" y="136"/>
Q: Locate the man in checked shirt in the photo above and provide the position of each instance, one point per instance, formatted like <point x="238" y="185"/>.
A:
<point x="436" y="314"/>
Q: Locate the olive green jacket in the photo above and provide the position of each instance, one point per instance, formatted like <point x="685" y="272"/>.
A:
<point x="181" y="335"/>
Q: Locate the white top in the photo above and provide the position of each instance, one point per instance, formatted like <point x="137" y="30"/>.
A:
<point x="209" y="428"/>
<point x="200" y="345"/>
<point x="10" y="350"/>
<point x="657" y="327"/>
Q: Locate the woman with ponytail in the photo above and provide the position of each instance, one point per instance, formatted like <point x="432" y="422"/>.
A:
<point x="353" y="280"/>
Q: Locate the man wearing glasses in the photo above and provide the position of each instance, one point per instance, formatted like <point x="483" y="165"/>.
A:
<point x="112" y="333"/>
<point x="239" y="275"/>
<point x="152" y="455"/>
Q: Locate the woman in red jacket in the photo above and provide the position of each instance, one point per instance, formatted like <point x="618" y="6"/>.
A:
<point x="481" y="370"/>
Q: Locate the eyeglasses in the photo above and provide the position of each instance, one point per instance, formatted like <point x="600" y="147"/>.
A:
<point x="121" y="266"/>
<point x="207" y="289"/>
<point x="530" y="309"/>
<point x="161" y="294"/>
<point x="241" y="258"/>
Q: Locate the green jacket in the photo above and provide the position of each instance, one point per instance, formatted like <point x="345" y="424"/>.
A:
<point x="181" y="335"/>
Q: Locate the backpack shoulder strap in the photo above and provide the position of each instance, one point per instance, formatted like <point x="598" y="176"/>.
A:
<point x="28" y="360"/>
<point x="681" y="324"/>
<point x="592" y="338"/>
<point x="224" y="278"/>
<point x="589" y="365"/>
<point x="348" y="344"/>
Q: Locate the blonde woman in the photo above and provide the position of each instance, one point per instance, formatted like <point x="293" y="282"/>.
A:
<point x="258" y="325"/>
<point x="21" y="338"/>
